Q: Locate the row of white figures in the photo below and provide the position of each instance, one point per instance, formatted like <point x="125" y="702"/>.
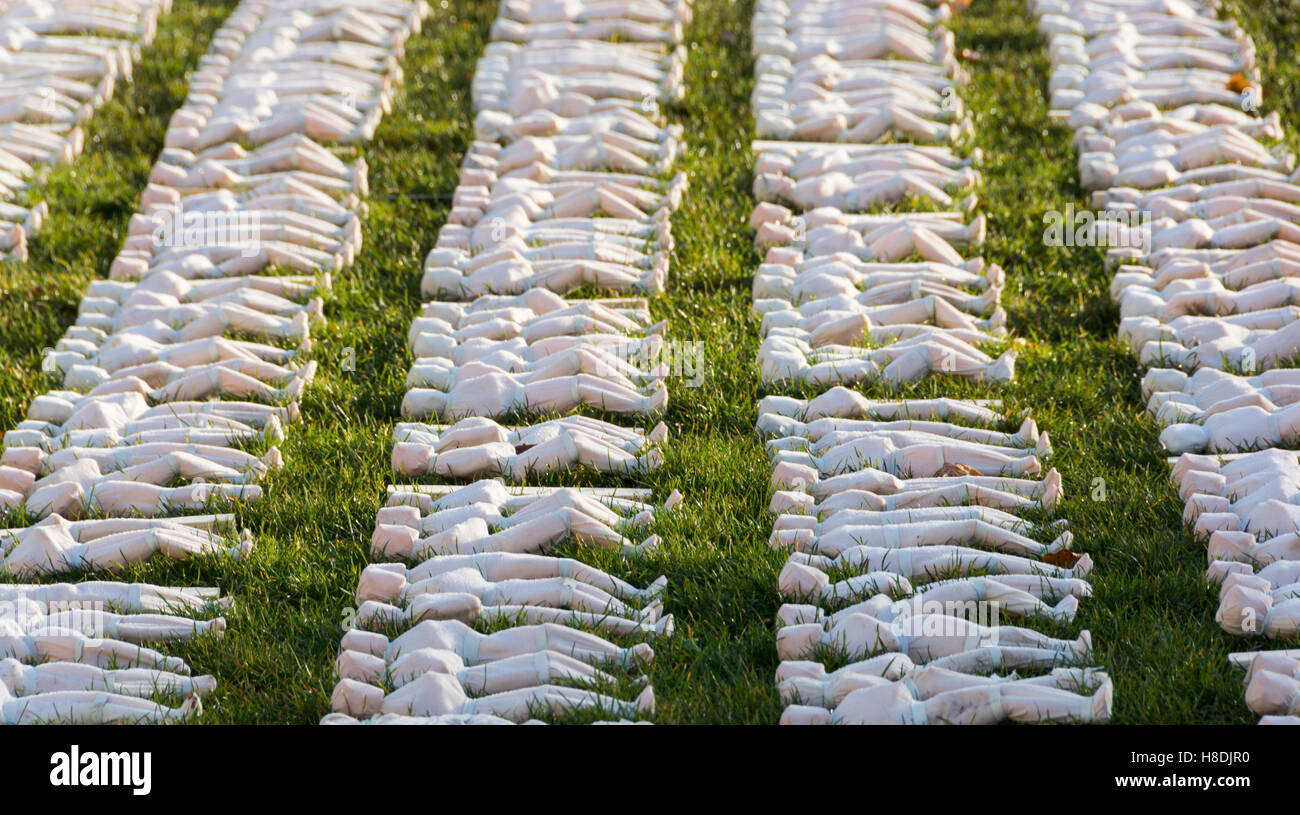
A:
<point x="149" y="347"/>
<point x="476" y="553"/>
<point x="1164" y="109"/>
<point x="1272" y="680"/>
<point x="484" y="517"/>
<point x="565" y="186"/>
<point x="63" y="59"/>
<point x="918" y="557"/>
<point x="638" y="21"/>
<point x="895" y="496"/>
<point x="861" y="442"/>
<point x="566" y="183"/>
<point x="1179" y="143"/>
<point x="840" y="298"/>
<point x="1245" y="508"/>
<point x="534" y="353"/>
<point x="1200" y="210"/>
<point x="857" y="73"/>
<point x="158" y="400"/>
<point x="313" y="67"/>
<point x="479" y="447"/>
<point x="55" y="545"/>
<point x="66" y="658"/>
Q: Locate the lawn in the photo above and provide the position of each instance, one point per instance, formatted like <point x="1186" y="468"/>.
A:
<point x="1151" y="615"/>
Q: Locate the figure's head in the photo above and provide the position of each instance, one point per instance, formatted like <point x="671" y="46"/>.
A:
<point x="373" y="613"/>
<point x="798" y="641"/>
<point x="67" y="499"/>
<point x="1242" y="611"/>
<point x="1219" y="570"/>
<point x="378" y="583"/>
<point x="770" y="186"/>
<point x="1244" y="578"/>
<point x="360" y="666"/>
<point x="85" y="377"/>
<point x="801" y="581"/>
<point x="356" y="698"/>
<point x="1273" y="693"/>
<point x="798" y="614"/>
<point x="366" y="642"/>
<point x="414" y="664"/>
<point x="805" y="715"/>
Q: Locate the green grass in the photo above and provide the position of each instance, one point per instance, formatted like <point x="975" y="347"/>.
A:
<point x="1151" y="616"/>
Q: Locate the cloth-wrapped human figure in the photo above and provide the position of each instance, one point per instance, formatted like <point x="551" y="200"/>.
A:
<point x="1018" y="701"/>
<point x="91" y="707"/>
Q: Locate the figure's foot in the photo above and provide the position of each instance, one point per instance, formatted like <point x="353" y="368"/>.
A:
<point x="645" y="702"/>
<point x="1061" y="543"/>
<point x="653" y="611"/>
<point x="639" y="654"/>
<point x="1066" y="609"/>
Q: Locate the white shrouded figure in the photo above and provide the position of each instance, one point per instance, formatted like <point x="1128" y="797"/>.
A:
<point x="935" y="562"/>
<point x="476" y="648"/>
<point x="972" y="531"/>
<point x="380" y="584"/>
<point x="842" y="402"/>
<point x="925" y="459"/>
<point x="922" y="637"/>
<point x="51" y="677"/>
<point x="874" y="490"/>
<point x="1272" y="686"/>
<point x="133" y="598"/>
<point x="52" y="546"/>
<point x="91" y="707"/>
<point x="492" y="500"/>
<point x="1019" y="701"/>
<point x="68" y="645"/>
<point x="30" y="615"/>
<point x="469" y="608"/>
<point x="397" y="719"/>
<point x="497" y="395"/>
<point x="1245" y="610"/>
<point x="438" y="694"/>
<point x="1243" y="428"/>
<point x="927" y="682"/>
<point x="1016" y="595"/>
<point x="928" y="351"/>
<point x="473" y="535"/>
<point x="823" y="432"/>
<point x="478" y="446"/>
<point x="511" y="673"/>
<point x="395" y="582"/>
